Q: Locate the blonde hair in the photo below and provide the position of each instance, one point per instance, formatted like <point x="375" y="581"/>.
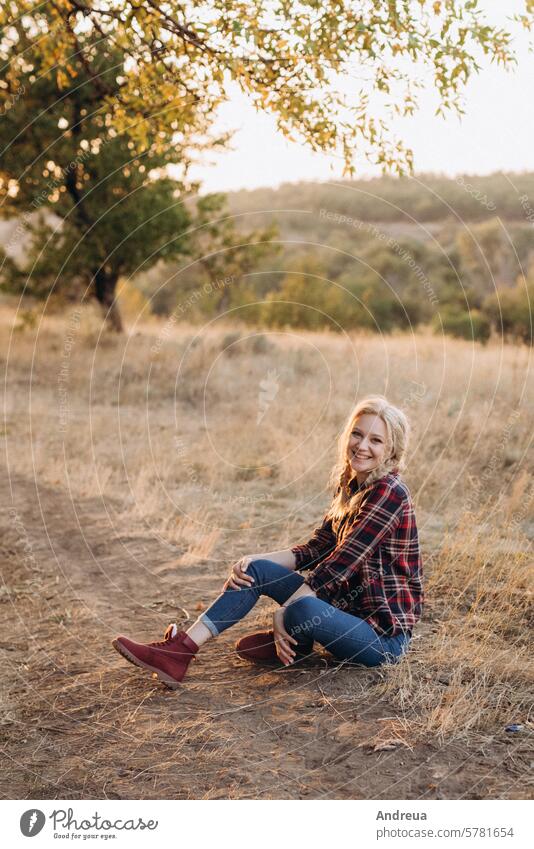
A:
<point x="398" y="434"/>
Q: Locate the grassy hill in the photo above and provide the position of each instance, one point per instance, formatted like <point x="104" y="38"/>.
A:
<point x="453" y="255"/>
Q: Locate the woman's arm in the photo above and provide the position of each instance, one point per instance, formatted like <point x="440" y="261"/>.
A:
<point x="284" y="557"/>
<point x="284" y="642"/>
<point x="377" y="517"/>
<point x="322" y="542"/>
<point x="238" y="574"/>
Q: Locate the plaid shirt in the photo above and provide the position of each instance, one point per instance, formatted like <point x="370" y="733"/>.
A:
<point x="370" y="564"/>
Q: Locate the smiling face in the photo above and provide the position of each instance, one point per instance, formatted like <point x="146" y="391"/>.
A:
<point x="367" y="444"/>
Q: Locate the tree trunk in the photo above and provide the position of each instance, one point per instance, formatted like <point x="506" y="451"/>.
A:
<point x="105" y="285"/>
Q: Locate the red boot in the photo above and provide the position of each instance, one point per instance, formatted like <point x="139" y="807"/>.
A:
<point x="168" y="658"/>
<point x="260" y="647"/>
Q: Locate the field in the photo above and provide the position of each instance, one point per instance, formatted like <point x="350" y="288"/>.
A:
<point x="138" y="468"/>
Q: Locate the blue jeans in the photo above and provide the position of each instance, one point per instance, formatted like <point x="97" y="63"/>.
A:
<point x="307" y="619"/>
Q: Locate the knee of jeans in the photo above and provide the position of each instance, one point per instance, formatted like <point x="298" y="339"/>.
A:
<point x="260" y="570"/>
<point x="301" y="615"/>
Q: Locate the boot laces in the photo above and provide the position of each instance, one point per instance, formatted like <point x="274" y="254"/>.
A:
<point x="170" y="633"/>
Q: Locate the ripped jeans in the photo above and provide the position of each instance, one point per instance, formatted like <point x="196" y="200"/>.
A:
<point x="307" y="619"/>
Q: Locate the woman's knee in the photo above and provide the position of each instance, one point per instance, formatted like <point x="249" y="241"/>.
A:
<point x="301" y="616"/>
<point x="264" y="572"/>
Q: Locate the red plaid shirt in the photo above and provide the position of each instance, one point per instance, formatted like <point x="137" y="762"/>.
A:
<point x="370" y="565"/>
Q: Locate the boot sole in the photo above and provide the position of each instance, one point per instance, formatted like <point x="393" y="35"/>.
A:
<point x="169" y="682"/>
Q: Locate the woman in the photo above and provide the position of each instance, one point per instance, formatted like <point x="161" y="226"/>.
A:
<point x="363" y="592"/>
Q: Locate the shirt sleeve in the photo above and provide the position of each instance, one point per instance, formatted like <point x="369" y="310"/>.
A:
<point x="321" y="543"/>
<point x="379" y="514"/>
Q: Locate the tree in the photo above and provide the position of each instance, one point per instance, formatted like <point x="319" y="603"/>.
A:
<point x="115" y="210"/>
<point x="115" y="223"/>
<point x="487" y="258"/>
<point x="92" y="93"/>
<point x="289" y="57"/>
<point x="472" y="325"/>
<point x="510" y="310"/>
<point x="224" y="251"/>
<point x="301" y="302"/>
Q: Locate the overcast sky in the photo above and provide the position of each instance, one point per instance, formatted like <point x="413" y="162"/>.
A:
<point x="497" y="131"/>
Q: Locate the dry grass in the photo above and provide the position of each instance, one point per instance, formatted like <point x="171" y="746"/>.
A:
<point x="474" y="669"/>
<point x="218" y="442"/>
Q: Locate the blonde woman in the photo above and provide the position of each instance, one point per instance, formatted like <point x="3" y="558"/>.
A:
<point x="362" y="594"/>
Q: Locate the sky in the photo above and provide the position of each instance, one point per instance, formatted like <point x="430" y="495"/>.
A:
<point x="496" y="133"/>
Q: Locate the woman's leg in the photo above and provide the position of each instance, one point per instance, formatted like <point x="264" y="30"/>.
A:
<point x="346" y="636"/>
<point x="270" y="579"/>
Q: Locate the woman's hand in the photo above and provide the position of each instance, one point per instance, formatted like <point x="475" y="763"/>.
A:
<point x="282" y="639"/>
<point x="238" y="574"/>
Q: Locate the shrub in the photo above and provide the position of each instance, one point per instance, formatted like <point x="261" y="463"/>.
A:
<point x="463" y="325"/>
<point x="510" y="311"/>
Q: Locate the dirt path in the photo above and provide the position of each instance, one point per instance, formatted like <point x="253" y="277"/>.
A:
<point x="78" y="722"/>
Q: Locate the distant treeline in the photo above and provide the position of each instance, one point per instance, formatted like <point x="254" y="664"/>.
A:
<point x="382" y="254"/>
<point x="421" y="199"/>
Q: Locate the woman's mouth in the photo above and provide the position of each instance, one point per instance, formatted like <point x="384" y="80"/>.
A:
<point x="360" y="456"/>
